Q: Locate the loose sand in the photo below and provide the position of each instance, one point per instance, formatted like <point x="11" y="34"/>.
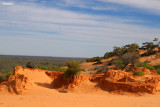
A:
<point x="48" y="97"/>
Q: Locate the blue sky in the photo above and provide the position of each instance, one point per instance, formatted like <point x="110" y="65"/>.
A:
<point x="75" y="28"/>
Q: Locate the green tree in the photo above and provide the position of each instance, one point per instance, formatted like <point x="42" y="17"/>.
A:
<point x="131" y="47"/>
<point x="148" y="46"/>
<point x="117" y="51"/>
<point x="157" y="43"/>
<point x="108" y="55"/>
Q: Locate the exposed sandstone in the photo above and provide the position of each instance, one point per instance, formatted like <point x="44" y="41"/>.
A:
<point x="16" y="83"/>
<point x="111" y="80"/>
<point x="59" y="80"/>
<point x="117" y="80"/>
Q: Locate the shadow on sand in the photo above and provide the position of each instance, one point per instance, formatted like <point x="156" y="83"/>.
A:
<point x="46" y="85"/>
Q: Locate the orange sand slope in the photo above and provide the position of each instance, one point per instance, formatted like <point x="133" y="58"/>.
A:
<point x="34" y="88"/>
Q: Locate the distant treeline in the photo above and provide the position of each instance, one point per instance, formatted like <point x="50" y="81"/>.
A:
<point x="8" y="62"/>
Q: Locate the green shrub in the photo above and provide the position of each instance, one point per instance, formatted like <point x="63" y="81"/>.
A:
<point x="138" y="73"/>
<point x="73" y="68"/>
<point x="43" y="67"/>
<point x="94" y="59"/>
<point x="157" y="67"/>
<point x="145" y="65"/>
<point x="119" y="64"/>
<point x="158" y="71"/>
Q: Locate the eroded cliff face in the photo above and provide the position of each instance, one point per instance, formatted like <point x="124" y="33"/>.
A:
<point x="118" y="81"/>
<point x="112" y="80"/>
<point x="59" y="80"/>
<point x="24" y="79"/>
<point x="16" y="83"/>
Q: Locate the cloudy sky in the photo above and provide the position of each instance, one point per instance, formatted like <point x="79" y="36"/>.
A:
<point x="75" y="28"/>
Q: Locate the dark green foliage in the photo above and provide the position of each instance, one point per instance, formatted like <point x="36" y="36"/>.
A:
<point x="108" y="54"/>
<point x="133" y="48"/>
<point x="73" y="68"/>
<point x="94" y="59"/>
<point x="145" y="65"/>
<point x="119" y="64"/>
<point x="130" y="48"/>
<point x="120" y="51"/>
<point x="30" y="65"/>
<point x="149" y="53"/>
<point x="158" y="71"/>
<point x="157" y="67"/>
<point x="148" y="46"/>
<point x="138" y="73"/>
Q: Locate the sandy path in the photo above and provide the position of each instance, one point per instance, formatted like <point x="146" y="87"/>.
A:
<point x="40" y="96"/>
<point x="56" y="99"/>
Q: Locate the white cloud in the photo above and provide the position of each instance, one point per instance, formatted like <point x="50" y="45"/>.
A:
<point x="150" y="5"/>
<point x="74" y="29"/>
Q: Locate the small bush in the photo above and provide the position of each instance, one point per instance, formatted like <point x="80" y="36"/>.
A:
<point x="157" y="67"/>
<point x="73" y="68"/>
<point x="158" y="71"/>
<point x="119" y="64"/>
<point x="145" y="65"/>
<point x="94" y="59"/>
<point x="138" y="73"/>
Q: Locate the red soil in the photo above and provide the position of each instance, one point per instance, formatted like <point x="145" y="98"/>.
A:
<point x="111" y="80"/>
<point x="118" y="81"/>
